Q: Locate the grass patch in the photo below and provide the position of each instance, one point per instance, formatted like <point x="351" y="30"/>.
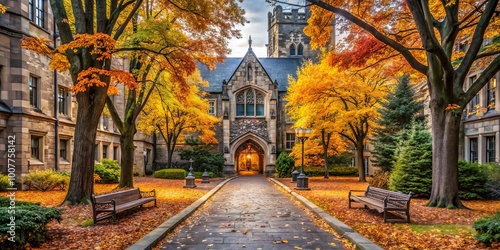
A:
<point x="88" y="222"/>
<point x="443" y="229"/>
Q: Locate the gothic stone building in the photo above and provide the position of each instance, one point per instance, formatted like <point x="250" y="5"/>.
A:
<point x="247" y="93"/>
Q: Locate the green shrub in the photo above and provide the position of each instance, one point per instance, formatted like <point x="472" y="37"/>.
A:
<point x="413" y="169"/>
<point x="136" y="173"/>
<point x="471" y="180"/>
<point x="493" y="183"/>
<point x="380" y="179"/>
<point x="170" y="173"/>
<point x="203" y="158"/>
<point x="149" y="171"/>
<point x="198" y="174"/>
<point x="30" y="223"/>
<point x="4" y="182"/>
<point x="284" y="165"/>
<point x="488" y="229"/>
<point x="343" y="171"/>
<point x="48" y="179"/>
<point x="108" y="170"/>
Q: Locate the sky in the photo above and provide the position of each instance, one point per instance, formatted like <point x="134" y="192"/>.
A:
<point x="256" y="14"/>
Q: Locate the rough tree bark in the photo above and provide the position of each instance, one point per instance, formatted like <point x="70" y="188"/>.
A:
<point x="359" y="160"/>
<point x="325" y="140"/>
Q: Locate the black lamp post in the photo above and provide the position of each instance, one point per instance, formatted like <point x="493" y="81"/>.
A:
<point x="302" y="180"/>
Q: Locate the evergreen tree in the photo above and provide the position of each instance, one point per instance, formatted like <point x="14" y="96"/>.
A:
<point x="284" y="165"/>
<point x="413" y="169"/>
<point x="397" y="114"/>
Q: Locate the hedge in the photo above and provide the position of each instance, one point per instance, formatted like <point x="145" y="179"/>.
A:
<point x="170" y="173"/>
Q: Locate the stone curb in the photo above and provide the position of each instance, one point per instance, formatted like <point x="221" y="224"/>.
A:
<point x="344" y="230"/>
<point x="155" y="236"/>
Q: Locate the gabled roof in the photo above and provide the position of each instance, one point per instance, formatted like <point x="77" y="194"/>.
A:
<point x="277" y="68"/>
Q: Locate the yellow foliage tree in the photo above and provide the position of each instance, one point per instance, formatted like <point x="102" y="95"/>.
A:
<point x="344" y="103"/>
<point x="176" y="114"/>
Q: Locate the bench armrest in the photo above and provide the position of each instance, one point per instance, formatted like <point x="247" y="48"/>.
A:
<point x="145" y="194"/>
<point x="357" y="191"/>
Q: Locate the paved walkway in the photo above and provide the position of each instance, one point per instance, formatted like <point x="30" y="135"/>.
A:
<point x="250" y="212"/>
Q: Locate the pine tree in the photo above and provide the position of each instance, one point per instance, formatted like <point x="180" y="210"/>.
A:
<point x="397" y="114"/>
<point x="413" y="169"/>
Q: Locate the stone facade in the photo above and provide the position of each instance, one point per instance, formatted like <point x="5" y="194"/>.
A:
<point x="481" y="138"/>
<point x="42" y="116"/>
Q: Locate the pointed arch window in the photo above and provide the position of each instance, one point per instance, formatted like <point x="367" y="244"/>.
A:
<point x="292" y="49"/>
<point x="300" y="50"/>
<point x="249" y="72"/>
<point x="250" y="103"/>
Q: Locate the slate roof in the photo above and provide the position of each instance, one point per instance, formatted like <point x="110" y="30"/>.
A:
<point x="4" y="108"/>
<point x="277" y="69"/>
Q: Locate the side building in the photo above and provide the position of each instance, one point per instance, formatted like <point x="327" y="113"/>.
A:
<point x="36" y="104"/>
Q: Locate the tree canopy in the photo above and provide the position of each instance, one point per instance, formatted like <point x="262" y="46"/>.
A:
<point x="442" y="40"/>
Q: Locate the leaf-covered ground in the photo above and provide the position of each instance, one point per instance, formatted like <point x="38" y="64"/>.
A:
<point x="430" y="228"/>
<point x="131" y="225"/>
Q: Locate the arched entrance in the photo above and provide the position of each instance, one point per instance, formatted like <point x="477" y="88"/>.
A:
<point x="249" y="157"/>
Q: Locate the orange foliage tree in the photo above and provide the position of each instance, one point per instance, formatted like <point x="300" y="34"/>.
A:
<point x="176" y="114"/>
<point x="89" y="29"/>
<point x="165" y="41"/>
<point x="441" y="40"/>
<point x="340" y="102"/>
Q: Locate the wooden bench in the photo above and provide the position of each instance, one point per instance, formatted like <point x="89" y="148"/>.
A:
<point x="384" y="201"/>
<point x="113" y="203"/>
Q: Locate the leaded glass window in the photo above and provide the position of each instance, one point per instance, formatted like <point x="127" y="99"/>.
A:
<point x="250" y="103"/>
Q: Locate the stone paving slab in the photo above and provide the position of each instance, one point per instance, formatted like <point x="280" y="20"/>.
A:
<point x="342" y="229"/>
<point x="251" y="213"/>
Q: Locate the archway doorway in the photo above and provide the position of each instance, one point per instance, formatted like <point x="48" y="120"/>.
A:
<point x="249" y="158"/>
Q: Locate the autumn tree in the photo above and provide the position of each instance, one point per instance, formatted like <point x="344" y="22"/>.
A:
<point x="174" y="113"/>
<point x="398" y="112"/>
<point x="442" y="40"/>
<point x="326" y="141"/>
<point x="169" y="37"/>
<point x="88" y="31"/>
<point x="345" y="102"/>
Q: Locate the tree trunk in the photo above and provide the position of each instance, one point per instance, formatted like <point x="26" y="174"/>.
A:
<point x="325" y="138"/>
<point x="359" y="160"/>
<point x="127" y="157"/>
<point x="170" y="152"/>
<point x="445" y="140"/>
<point x="90" y="106"/>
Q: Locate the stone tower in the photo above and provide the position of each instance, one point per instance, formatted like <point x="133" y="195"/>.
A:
<point x="285" y="33"/>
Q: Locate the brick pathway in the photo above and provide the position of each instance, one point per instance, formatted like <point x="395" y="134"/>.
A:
<point x="250" y="212"/>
